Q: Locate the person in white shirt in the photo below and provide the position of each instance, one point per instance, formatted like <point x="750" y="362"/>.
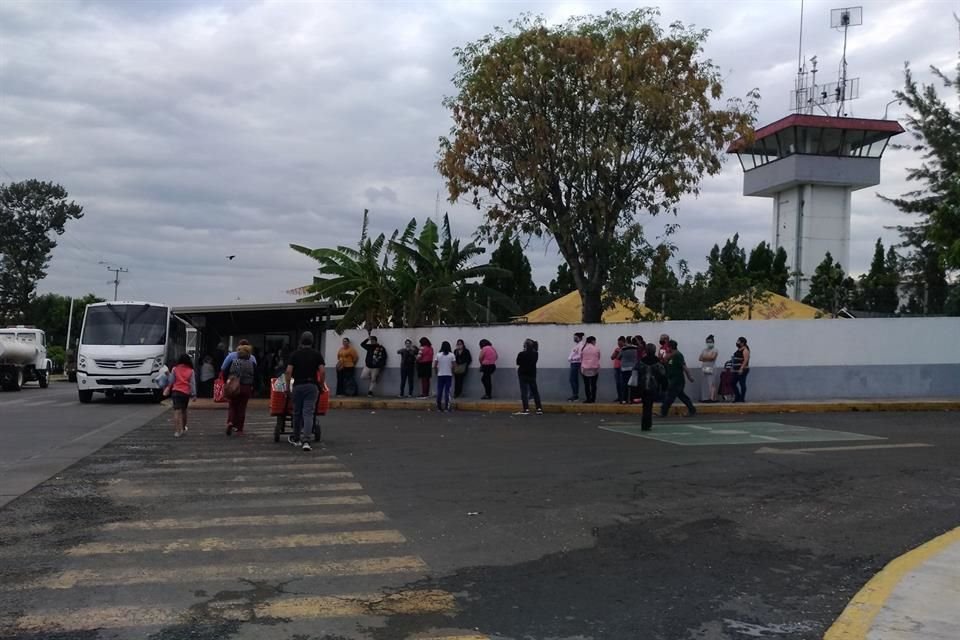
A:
<point x="443" y="364"/>
<point x="574" y="360"/>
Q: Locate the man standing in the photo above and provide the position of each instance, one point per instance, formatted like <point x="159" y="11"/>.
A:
<point x="676" y="371"/>
<point x="374" y="363"/>
<point x="576" y="354"/>
<point x="347" y="358"/>
<point x="651" y="381"/>
<point x="305" y="375"/>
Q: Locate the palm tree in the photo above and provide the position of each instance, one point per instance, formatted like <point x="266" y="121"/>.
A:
<point x="357" y="279"/>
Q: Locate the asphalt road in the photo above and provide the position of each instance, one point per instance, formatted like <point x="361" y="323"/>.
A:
<point x="45" y="430"/>
<point x="470" y="526"/>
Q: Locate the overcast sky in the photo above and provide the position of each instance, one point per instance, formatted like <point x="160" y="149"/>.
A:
<point x="191" y="131"/>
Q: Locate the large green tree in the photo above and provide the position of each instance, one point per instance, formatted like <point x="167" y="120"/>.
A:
<point x="663" y="283"/>
<point x="879" y="287"/>
<point x="32" y="214"/>
<point x="830" y="288"/>
<point x="575" y="130"/>
<point x="51" y="312"/>
<point x="934" y="124"/>
<point x="519" y="292"/>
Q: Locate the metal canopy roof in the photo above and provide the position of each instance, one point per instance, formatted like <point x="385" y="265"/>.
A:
<point x="241" y="318"/>
<point x="873" y="129"/>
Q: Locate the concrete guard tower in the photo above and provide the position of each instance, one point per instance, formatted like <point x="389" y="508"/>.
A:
<point x="810" y="165"/>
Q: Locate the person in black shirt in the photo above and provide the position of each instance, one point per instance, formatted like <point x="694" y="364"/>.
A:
<point x="305" y="375"/>
<point x="374" y="363"/>
<point x="527" y="373"/>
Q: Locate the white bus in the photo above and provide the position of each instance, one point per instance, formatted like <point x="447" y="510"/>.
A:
<point x="123" y="346"/>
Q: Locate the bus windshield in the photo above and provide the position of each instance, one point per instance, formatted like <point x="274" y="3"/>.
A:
<point x="125" y="325"/>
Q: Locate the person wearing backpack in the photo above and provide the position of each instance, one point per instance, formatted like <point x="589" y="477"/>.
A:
<point x="676" y="372"/>
<point x="243" y="370"/>
<point x="651" y="381"/>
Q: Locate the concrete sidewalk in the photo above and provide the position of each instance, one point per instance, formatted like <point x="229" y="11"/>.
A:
<point x="726" y="408"/>
<point x="913" y="598"/>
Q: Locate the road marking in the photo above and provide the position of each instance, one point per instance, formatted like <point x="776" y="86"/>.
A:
<point x="233" y="544"/>
<point x="239" y="505"/>
<point x="857" y="618"/>
<point x="297" y="608"/>
<point x="246" y="521"/>
<point x="159" y="492"/>
<point x="239" y="467"/>
<point x="238" y="460"/>
<point x="861" y="447"/>
<point x="126" y="576"/>
<point x="39" y="403"/>
<point x="7" y="403"/>
<point x="250" y="476"/>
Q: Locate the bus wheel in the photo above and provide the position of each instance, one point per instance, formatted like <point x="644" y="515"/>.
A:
<point x="85" y="396"/>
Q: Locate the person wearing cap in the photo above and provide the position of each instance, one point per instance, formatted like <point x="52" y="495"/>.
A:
<point x="575" y="357"/>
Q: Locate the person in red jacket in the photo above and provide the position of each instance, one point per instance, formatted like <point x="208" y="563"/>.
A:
<point x="182" y="388"/>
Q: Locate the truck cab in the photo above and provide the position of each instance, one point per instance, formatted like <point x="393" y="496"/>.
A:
<point x="23" y="357"/>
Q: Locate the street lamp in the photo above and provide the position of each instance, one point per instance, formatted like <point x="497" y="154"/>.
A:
<point x="887" y="107"/>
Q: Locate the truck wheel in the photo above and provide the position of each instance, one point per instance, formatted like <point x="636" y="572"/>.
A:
<point x="17" y="382"/>
<point x="72" y="376"/>
<point x="85" y="396"/>
<point x="158" y="395"/>
<point x="44" y="379"/>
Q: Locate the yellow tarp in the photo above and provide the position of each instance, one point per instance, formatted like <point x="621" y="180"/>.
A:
<point x="770" y="306"/>
<point x="569" y="310"/>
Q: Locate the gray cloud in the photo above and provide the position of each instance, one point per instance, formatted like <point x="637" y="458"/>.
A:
<point x="190" y="131"/>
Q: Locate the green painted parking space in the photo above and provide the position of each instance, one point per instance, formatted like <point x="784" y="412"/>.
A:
<point x="718" y="433"/>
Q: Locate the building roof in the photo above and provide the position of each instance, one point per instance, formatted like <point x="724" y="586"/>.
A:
<point x="884" y="128"/>
<point x="770" y="306"/>
<point x="568" y="309"/>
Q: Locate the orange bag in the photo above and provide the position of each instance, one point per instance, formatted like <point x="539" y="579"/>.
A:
<point x="323" y="401"/>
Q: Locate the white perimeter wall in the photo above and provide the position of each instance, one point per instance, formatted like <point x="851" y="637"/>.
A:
<point x="773" y="343"/>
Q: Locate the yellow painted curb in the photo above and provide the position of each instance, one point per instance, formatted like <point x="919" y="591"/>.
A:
<point x="857" y="618"/>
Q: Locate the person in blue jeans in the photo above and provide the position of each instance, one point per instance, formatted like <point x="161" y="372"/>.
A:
<point x="576" y="355"/>
<point x="741" y="367"/>
<point x="527" y="375"/>
<point x="443" y="364"/>
<point x="306" y="374"/>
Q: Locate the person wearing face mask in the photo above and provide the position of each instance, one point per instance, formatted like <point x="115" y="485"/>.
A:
<point x="576" y="355"/>
<point x="741" y="367"/>
<point x="664" y="351"/>
<point x="708" y="360"/>
<point x="408" y="367"/>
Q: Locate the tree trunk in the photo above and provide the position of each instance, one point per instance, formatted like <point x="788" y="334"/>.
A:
<point x="592" y="305"/>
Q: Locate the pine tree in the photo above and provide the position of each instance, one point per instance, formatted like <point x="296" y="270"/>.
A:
<point x="878" y="288"/>
<point x="830" y="288"/>
<point x="663" y="283"/>
<point x="519" y="287"/>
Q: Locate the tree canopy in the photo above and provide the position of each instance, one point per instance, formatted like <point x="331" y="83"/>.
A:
<point x="573" y="131"/>
<point x="32" y="213"/>
<point x="830" y="288"/>
<point x="411" y="279"/>
<point x="519" y="292"/>
<point x="51" y="312"/>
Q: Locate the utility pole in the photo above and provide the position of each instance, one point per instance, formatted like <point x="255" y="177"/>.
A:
<point x="116" y="271"/>
<point x="69" y="323"/>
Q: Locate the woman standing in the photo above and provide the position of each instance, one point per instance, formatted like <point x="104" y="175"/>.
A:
<point x="408" y="367"/>
<point x="708" y="360"/>
<point x="207" y="373"/>
<point x="617" y="378"/>
<point x="590" y="368"/>
<point x="443" y="364"/>
<point x="527" y="374"/>
<point x="488" y="364"/>
<point x="628" y="359"/>
<point x="244" y="369"/>
<point x="464" y="358"/>
<point x="425" y="366"/>
<point x="741" y="367"/>
<point x="347" y="358"/>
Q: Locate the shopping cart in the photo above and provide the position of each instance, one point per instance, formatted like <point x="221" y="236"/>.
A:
<point x="281" y="407"/>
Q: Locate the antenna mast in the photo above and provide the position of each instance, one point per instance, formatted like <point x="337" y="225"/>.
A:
<point x="844" y="19"/>
<point x="116" y="277"/>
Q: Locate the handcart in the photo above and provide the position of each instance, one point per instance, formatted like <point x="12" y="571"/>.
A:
<point x="281" y="407"/>
<point x="726" y="389"/>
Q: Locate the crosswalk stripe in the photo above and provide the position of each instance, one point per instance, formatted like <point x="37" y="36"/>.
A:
<point x="246" y="521"/>
<point x="74" y="578"/>
<point x="238" y="467"/>
<point x="251" y="475"/>
<point x="388" y="536"/>
<point x="309" y="501"/>
<point x="294" y="608"/>
<point x="157" y="492"/>
<point x="234" y="459"/>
